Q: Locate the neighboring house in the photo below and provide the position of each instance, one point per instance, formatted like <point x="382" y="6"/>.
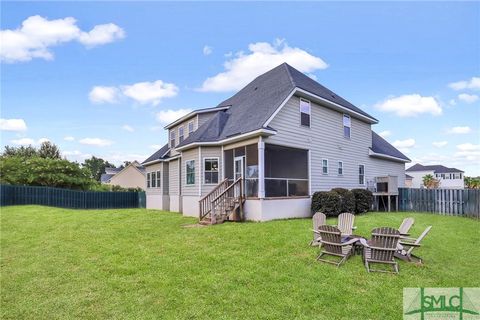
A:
<point x="408" y="181"/>
<point x="286" y="135"/>
<point x="131" y="176"/>
<point x="451" y="178"/>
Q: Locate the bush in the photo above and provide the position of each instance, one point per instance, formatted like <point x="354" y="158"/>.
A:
<point x="363" y="200"/>
<point x="348" y="200"/>
<point x="328" y="202"/>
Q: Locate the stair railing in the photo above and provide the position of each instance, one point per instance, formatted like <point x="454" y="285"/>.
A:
<point x="227" y="198"/>
<point x="205" y="203"/>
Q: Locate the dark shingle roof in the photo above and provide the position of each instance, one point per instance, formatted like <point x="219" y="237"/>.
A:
<point x="408" y="176"/>
<point x="159" y="154"/>
<point x="436" y="168"/>
<point x="380" y="145"/>
<point x="253" y="105"/>
<point x="105" y="177"/>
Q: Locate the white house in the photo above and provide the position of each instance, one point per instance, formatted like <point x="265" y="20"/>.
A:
<point x="281" y="138"/>
<point x="449" y="178"/>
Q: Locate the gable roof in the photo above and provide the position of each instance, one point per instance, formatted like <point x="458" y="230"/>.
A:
<point x="158" y="155"/>
<point x="381" y="146"/>
<point x="435" y="168"/>
<point x="251" y="107"/>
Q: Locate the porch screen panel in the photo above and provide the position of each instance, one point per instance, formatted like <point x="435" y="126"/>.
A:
<point x="286" y="171"/>
<point x="251" y="171"/>
<point x="228" y="163"/>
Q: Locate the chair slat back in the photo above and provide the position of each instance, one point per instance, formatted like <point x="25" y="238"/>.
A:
<point x="345" y="223"/>
<point x="383" y="239"/>
<point x="319" y="219"/>
<point x="331" y="239"/>
<point x="406" y="225"/>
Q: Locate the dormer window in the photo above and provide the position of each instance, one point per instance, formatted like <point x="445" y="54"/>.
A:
<point x="180" y="134"/>
<point x="172" y="139"/>
<point x="190" y="127"/>
<point x="305" y="111"/>
<point x="347" y="123"/>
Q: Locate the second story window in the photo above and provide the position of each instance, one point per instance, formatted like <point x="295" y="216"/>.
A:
<point x="346" y="126"/>
<point x="172" y="139"/>
<point x="305" y="111"/>
<point x="180" y="134"/>
<point x="325" y="166"/>
<point x="190" y="127"/>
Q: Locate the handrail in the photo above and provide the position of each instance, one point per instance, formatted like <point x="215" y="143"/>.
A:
<point x="214" y="189"/>
<point x="205" y="203"/>
<point x="228" y="188"/>
<point x="226" y="198"/>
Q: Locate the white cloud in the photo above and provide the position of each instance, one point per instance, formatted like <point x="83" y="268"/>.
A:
<point x="23" y="141"/>
<point x="439" y="144"/>
<point x="76" y="155"/>
<point x="452" y="102"/>
<point x="150" y="92"/>
<point x="468" y="98"/>
<point x="96" y="142"/>
<point x="242" y="68"/>
<point x="13" y="125"/>
<point x="69" y="138"/>
<point x="168" y="116"/>
<point x="101" y="34"/>
<point x="404" y="145"/>
<point x="42" y="140"/>
<point x="207" y="50"/>
<point x="468" y="152"/>
<point x="410" y="105"/>
<point x="459" y="130"/>
<point x="155" y="146"/>
<point x="473" y="83"/>
<point x="37" y="35"/>
<point x="385" y="133"/>
<point x="468" y="147"/>
<point x="102" y="94"/>
<point x="128" y="128"/>
<point x="118" y="158"/>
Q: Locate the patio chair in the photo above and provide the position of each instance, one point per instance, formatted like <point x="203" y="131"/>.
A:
<point x="318" y="219"/>
<point x="345" y="223"/>
<point x="407" y="245"/>
<point x="331" y="240"/>
<point x="407" y="223"/>
<point x="381" y="248"/>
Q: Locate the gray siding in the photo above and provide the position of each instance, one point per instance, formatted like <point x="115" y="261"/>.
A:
<point x="173" y="177"/>
<point x="204" y="117"/>
<point x="190" y="190"/>
<point x="154" y="168"/>
<point x="325" y="140"/>
<point x="165" y="178"/>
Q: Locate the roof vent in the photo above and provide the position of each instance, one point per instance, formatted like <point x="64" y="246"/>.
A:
<point x="255" y="88"/>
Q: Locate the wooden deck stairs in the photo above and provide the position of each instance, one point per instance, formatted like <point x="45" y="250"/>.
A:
<point x="223" y="203"/>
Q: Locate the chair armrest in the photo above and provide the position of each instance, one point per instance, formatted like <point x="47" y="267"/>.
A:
<point x="316" y="231"/>
<point x="349" y="242"/>
<point x="364" y="242"/>
<point x="410" y="244"/>
<point x="404" y="235"/>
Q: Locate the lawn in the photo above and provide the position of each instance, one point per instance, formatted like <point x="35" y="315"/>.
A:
<point x="144" y="264"/>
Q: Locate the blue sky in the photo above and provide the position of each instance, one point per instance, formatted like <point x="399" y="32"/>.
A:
<point x="106" y="82"/>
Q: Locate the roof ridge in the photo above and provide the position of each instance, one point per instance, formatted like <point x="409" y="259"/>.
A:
<point x="287" y="67"/>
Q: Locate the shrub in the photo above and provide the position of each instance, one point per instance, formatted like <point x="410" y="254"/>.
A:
<point x="328" y="202"/>
<point x="347" y="200"/>
<point x="363" y="200"/>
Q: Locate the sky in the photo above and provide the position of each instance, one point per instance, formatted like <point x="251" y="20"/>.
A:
<point x="104" y="78"/>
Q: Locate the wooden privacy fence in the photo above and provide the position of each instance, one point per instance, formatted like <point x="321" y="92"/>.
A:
<point x="462" y="202"/>
<point x="66" y="198"/>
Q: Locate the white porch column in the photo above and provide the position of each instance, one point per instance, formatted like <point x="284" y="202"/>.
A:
<point x="261" y="168"/>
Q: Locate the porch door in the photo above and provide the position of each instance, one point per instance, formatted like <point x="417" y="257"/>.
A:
<point x="239" y="170"/>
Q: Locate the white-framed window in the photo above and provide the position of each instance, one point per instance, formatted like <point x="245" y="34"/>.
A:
<point x="305" y="112"/>
<point x="361" y="174"/>
<point x="190" y="127"/>
<point x="172" y="139"/>
<point x="154" y="179"/>
<point x="181" y="134"/>
<point x="159" y="175"/>
<point x="210" y="170"/>
<point x="148" y="180"/>
<point x="190" y="172"/>
<point x="325" y="166"/>
<point x="347" y="125"/>
<point x="340" y="168"/>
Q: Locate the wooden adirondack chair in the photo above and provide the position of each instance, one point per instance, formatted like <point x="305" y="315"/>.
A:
<point x="407" y="245"/>
<point x="405" y="226"/>
<point x="345" y="223"/>
<point x="381" y="248"/>
<point x="318" y="219"/>
<point x="331" y="239"/>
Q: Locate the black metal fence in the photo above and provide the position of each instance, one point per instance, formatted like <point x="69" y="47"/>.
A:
<point x="66" y="198"/>
<point x="461" y="202"/>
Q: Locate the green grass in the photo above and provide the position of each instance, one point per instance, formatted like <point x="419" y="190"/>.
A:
<point x="142" y="264"/>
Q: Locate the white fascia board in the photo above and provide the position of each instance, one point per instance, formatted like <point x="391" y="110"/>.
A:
<point x="386" y="156"/>
<point x="192" y="114"/>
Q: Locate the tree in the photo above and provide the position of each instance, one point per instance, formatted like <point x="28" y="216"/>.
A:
<point x="96" y="167"/>
<point x="430" y="182"/>
<point x="472" y="182"/>
<point x="37" y="171"/>
<point x="22" y="152"/>
<point x="49" y="150"/>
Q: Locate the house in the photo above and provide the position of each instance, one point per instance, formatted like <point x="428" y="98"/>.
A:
<point x="131" y="176"/>
<point x="449" y="178"/>
<point x="408" y="181"/>
<point x="285" y="135"/>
